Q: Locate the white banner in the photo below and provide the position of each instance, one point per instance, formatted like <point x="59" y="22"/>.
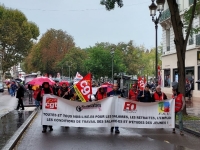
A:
<point x="112" y="111"/>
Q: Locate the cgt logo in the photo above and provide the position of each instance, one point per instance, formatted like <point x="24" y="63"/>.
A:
<point x="163" y="107"/>
<point x="129" y="106"/>
<point x="51" y="103"/>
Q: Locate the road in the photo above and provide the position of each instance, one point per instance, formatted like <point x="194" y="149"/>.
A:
<point x="72" y="138"/>
<point x="7" y="103"/>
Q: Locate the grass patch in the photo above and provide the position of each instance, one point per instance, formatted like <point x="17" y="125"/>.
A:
<point x="188" y="117"/>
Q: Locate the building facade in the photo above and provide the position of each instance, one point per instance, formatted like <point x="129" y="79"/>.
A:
<point x="169" y="57"/>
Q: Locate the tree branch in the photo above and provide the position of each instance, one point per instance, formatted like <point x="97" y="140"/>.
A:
<point x="190" y="23"/>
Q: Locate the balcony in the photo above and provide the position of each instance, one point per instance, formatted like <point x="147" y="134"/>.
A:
<point x="191" y="41"/>
<point x="198" y="39"/>
<point x="165" y="15"/>
<point x="191" y="2"/>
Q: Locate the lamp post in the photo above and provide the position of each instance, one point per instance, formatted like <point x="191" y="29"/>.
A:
<point x="159" y="7"/>
<point x="112" y="52"/>
<point x="69" y="64"/>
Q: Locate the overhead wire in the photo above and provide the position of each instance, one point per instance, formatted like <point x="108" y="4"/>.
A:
<point x="93" y="9"/>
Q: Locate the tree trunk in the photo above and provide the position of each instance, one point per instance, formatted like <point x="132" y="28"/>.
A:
<point x="179" y="44"/>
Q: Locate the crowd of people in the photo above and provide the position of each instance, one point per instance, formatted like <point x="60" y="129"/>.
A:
<point x="66" y="91"/>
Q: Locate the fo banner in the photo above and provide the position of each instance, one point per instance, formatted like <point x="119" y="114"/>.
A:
<point x="112" y="111"/>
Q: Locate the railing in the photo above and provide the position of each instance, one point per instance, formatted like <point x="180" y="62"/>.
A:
<point x="198" y="39"/>
<point x="165" y="15"/>
<point x="191" y="41"/>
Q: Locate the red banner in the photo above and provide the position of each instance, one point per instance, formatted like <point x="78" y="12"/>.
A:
<point x="84" y="88"/>
<point x="141" y="83"/>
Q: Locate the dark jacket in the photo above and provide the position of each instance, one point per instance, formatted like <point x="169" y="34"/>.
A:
<point x="55" y="89"/>
<point x="147" y="96"/>
<point x="115" y="93"/>
<point x="20" y="92"/>
<point x="62" y="91"/>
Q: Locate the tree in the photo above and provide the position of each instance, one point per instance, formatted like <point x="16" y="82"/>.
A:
<point x="50" y="50"/>
<point x="180" y="40"/>
<point x="74" y="60"/>
<point x="16" y="36"/>
<point x="99" y="60"/>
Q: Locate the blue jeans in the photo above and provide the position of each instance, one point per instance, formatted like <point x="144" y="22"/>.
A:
<point x="37" y="103"/>
<point x="180" y="119"/>
<point x="12" y="92"/>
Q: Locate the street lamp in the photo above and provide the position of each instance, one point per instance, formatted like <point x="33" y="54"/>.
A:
<point x="159" y="7"/>
<point x="112" y="52"/>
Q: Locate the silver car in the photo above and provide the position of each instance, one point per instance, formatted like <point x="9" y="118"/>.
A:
<point x="1" y="87"/>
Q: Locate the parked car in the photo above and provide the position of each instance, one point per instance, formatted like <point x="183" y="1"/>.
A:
<point x="1" y="87"/>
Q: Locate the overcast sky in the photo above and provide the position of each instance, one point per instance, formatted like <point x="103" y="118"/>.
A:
<point x="89" y="22"/>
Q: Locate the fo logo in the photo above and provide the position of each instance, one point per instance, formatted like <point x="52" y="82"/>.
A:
<point x="128" y="106"/>
<point x="163" y="107"/>
<point x="51" y="103"/>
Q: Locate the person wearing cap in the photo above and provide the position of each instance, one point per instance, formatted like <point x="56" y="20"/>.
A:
<point x="46" y="89"/>
<point x="158" y="95"/>
<point x="145" y="95"/>
<point x="133" y="93"/>
<point x="179" y="106"/>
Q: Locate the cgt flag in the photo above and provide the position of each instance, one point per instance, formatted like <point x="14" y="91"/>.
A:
<point x="84" y="88"/>
<point x="141" y="83"/>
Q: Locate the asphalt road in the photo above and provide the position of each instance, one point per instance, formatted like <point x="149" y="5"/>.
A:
<point x="72" y="138"/>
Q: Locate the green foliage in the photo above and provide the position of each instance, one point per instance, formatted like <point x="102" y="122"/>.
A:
<point x="110" y="4"/>
<point x="187" y="16"/>
<point x="16" y="36"/>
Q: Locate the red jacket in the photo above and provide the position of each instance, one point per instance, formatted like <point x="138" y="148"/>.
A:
<point x="178" y="102"/>
<point x="35" y="93"/>
<point x="100" y="95"/>
<point x="133" y="95"/>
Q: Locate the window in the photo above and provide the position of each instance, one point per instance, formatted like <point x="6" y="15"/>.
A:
<point x="189" y="74"/>
<point x="168" y="39"/>
<point x="167" y="78"/>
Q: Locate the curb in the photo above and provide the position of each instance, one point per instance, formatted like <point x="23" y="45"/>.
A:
<point x="189" y="131"/>
<point x="15" y="138"/>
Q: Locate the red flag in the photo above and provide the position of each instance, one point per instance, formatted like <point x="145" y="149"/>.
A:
<point x="141" y="83"/>
<point x="159" y="76"/>
<point x="84" y="88"/>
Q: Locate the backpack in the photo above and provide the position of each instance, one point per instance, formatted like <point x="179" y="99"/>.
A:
<point x="39" y="97"/>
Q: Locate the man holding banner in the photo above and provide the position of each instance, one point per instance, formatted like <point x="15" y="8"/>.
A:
<point x="115" y="92"/>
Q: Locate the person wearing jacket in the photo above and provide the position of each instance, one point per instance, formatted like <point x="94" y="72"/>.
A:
<point x="46" y="89"/>
<point x="145" y="96"/>
<point x="101" y="93"/>
<point x="115" y="92"/>
<point x="179" y="106"/>
<point x="64" y="92"/>
<point x="133" y="93"/>
<point x="56" y="88"/>
<point x="158" y="95"/>
<point x="20" y="96"/>
<point x="36" y="96"/>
